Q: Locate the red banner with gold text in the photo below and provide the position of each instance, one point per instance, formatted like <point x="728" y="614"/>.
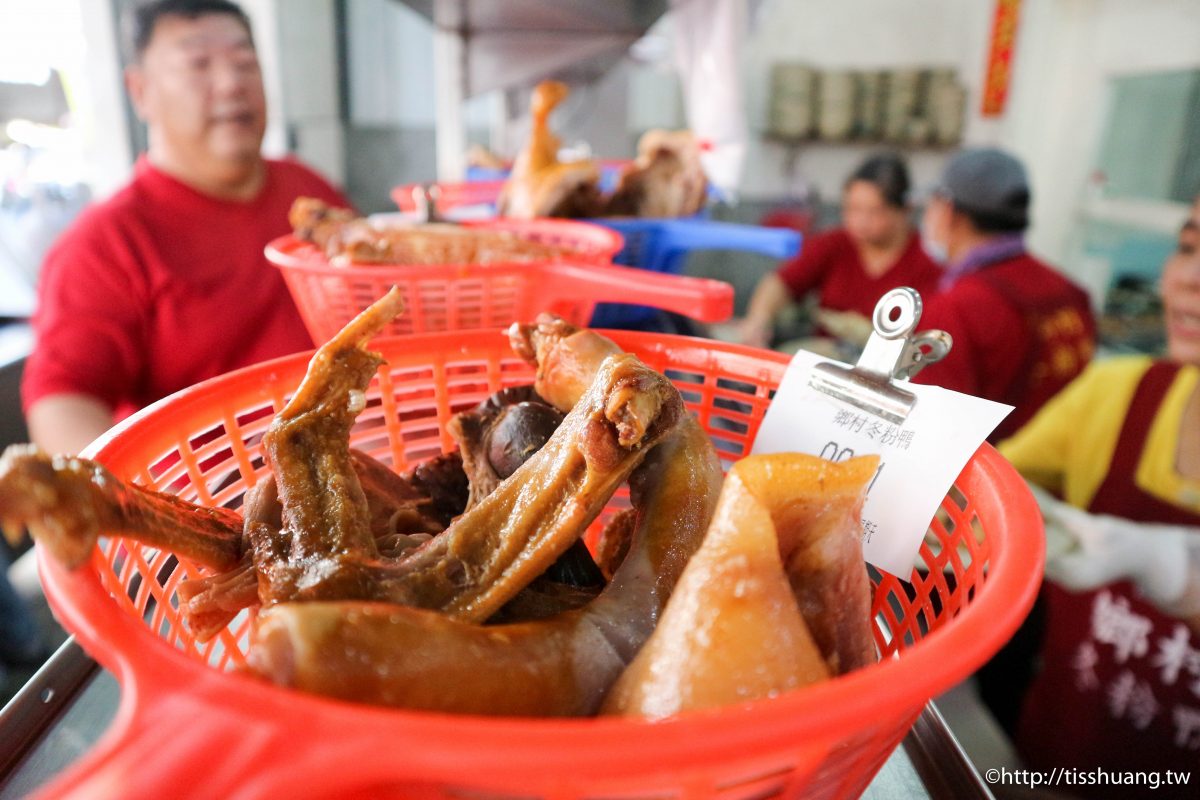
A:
<point x="1000" y="55"/>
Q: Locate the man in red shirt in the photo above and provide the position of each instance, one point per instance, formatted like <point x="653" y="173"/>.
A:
<point x="165" y="283"/>
<point x="1021" y="330"/>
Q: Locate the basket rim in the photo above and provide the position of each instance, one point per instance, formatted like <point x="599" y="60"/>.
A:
<point x="936" y="663"/>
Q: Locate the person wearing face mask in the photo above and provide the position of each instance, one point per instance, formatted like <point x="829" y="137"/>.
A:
<point x="851" y="267"/>
<point x="1119" y="682"/>
<point x="1021" y="330"/>
<point x="165" y="283"/>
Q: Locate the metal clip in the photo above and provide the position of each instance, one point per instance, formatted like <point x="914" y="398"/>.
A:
<point x="891" y="354"/>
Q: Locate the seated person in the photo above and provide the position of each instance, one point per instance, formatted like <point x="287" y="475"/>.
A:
<point x="850" y="267"/>
<point x="165" y="284"/>
<point x="1021" y="330"/>
<point x="1119" y="684"/>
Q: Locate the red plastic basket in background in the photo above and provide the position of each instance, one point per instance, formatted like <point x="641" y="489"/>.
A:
<point x="450" y="196"/>
<point x="186" y="727"/>
<point x="478" y="296"/>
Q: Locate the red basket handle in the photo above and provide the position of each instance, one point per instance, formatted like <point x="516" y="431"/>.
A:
<point x="192" y="743"/>
<point x="184" y="730"/>
<point x="180" y="744"/>
<point x="702" y="299"/>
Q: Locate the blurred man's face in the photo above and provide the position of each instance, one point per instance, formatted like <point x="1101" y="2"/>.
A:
<point x="1181" y="293"/>
<point x="868" y="218"/>
<point x="200" y="90"/>
<point x="935" y="228"/>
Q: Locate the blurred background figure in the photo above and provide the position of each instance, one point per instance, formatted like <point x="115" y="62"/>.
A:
<point x="1120" y="652"/>
<point x="1021" y="329"/>
<point x="849" y="268"/>
<point x="164" y="283"/>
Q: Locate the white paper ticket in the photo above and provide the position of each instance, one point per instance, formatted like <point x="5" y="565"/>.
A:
<point x="919" y="458"/>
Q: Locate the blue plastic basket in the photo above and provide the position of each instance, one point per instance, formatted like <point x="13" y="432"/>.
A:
<point x="610" y="173"/>
<point x="662" y="245"/>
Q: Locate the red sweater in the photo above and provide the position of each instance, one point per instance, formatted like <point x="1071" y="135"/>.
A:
<point x="160" y="287"/>
<point x="1021" y="332"/>
<point x="829" y="263"/>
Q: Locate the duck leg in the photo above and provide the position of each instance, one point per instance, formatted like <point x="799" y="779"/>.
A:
<point x="68" y="502"/>
<point x="566" y="356"/>
<point x="404" y="512"/>
<point x="499" y="546"/>
<point x="413" y="658"/>
<point x="325" y="549"/>
<point x="734" y="630"/>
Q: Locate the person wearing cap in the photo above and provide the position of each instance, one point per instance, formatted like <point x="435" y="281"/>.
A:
<point x="1118" y="654"/>
<point x="165" y="284"/>
<point x="1022" y="331"/>
<point x="849" y="268"/>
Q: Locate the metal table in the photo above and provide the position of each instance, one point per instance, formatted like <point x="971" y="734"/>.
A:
<point x="71" y="700"/>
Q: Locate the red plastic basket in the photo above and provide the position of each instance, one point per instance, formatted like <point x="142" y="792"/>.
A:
<point x="479" y="296"/>
<point x="186" y="727"/>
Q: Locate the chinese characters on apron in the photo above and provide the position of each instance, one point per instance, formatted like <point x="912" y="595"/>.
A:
<point x="1120" y="683"/>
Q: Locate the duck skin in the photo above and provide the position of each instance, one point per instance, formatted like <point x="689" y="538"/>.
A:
<point x="405" y="511"/>
<point x="566" y="356"/>
<point x="777" y="514"/>
<point x="498" y="547"/>
<point x="499" y="435"/>
<point x="345" y="237"/>
<point x="495" y="439"/>
<point x="666" y="180"/>
<point x="67" y="502"/>
<point x="325" y="550"/>
<point x="414" y="658"/>
<point x="540" y="185"/>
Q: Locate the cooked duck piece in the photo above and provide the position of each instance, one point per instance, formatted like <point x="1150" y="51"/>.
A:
<point x="541" y="150"/>
<point x="394" y="505"/>
<point x="391" y="655"/>
<point x="734" y="629"/>
<point x="325" y="541"/>
<point x="540" y="185"/>
<point x="316" y="221"/>
<point x="325" y="549"/>
<point x="346" y="238"/>
<point x="499" y="435"/>
<point x="413" y="658"/>
<point x="207" y="605"/>
<point x="402" y="518"/>
<point x="496" y="548"/>
<point x="67" y="502"/>
<point x="495" y="439"/>
<point x="824" y="559"/>
<point x="569" y="190"/>
<point x="614" y="542"/>
<point x="666" y="180"/>
<point x="442" y="478"/>
<point x="566" y="357"/>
